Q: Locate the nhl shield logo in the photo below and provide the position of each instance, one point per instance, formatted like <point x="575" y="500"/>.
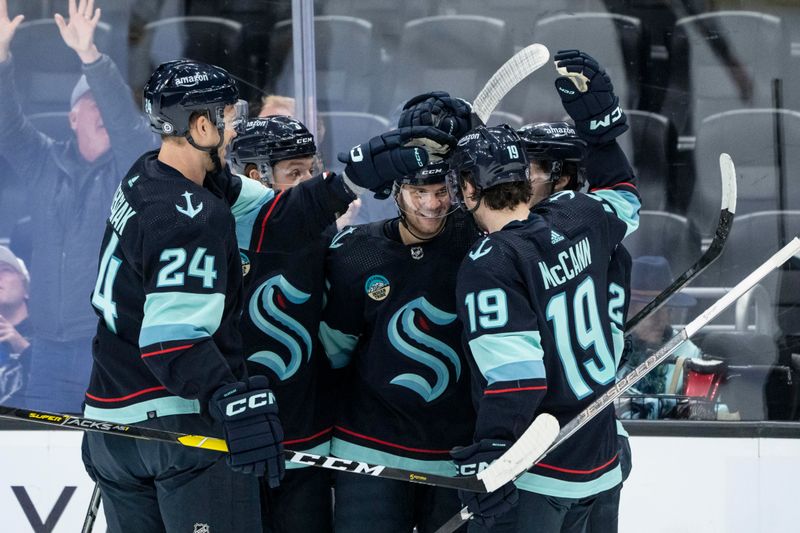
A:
<point x="417" y="252"/>
<point x="245" y="263"/>
<point x="377" y="287"/>
<point x="201" y="528"/>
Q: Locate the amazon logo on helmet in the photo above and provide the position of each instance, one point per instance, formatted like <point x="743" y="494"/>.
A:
<point x="554" y="141"/>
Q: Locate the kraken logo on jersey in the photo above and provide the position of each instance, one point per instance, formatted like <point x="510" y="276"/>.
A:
<point x="271" y="300"/>
<point x="403" y="322"/>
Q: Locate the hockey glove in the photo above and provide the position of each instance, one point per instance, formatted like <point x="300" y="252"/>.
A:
<point x="470" y="460"/>
<point x="588" y="96"/>
<point x="249" y="415"/>
<point x="440" y="110"/>
<point x="377" y="163"/>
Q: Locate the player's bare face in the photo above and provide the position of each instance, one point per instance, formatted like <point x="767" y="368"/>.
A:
<point x="290" y="172"/>
<point x="425" y="207"/>
<point x="229" y="132"/>
<point x="540" y="184"/>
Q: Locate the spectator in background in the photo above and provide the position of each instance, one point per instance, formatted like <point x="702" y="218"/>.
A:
<point x="649" y="276"/>
<point x="14" y="326"/>
<point x="274" y="104"/>
<point x="70" y="185"/>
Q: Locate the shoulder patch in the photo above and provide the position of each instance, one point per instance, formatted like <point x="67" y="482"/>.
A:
<point x="336" y="242"/>
<point x="568" y="195"/>
<point x="190" y="210"/>
<point x="481" y="250"/>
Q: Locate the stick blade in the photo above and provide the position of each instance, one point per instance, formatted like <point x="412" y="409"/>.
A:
<point x="728" y="172"/>
<point x="524" y="453"/>
<point x="517" y="68"/>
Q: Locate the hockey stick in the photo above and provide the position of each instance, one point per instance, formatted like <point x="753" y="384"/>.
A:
<point x="533" y="442"/>
<point x="597" y="406"/>
<point x="726" y="214"/>
<point x="91" y="512"/>
<point x="511" y="73"/>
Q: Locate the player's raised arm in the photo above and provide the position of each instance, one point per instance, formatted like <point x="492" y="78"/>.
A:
<point x="588" y="96"/>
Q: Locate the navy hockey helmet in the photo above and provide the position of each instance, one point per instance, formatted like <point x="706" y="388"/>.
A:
<point x="554" y="144"/>
<point x="267" y="140"/>
<point x="489" y="156"/>
<point x="431" y="174"/>
<point x="179" y="88"/>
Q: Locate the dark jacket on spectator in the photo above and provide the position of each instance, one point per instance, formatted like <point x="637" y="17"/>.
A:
<point x="69" y="197"/>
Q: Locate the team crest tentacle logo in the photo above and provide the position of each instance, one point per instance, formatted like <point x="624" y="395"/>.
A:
<point x="267" y="295"/>
<point x="403" y="321"/>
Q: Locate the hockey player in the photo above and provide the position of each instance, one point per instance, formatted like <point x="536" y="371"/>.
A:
<point x="537" y="302"/>
<point x="284" y="283"/>
<point x="390" y="319"/>
<point x="557" y="157"/>
<point x="167" y="351"/>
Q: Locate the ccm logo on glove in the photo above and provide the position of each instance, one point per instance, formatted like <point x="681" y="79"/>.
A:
<point x="607" y="120"/>
<point x="251" y="402"/>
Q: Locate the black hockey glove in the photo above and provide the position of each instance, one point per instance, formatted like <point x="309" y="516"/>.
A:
<point x="377" y="163"/>
<point x="249" y="414"/>
<point x="588" y="96"/>
<point x="440" y="110"/>
<point x="470" y="460"/>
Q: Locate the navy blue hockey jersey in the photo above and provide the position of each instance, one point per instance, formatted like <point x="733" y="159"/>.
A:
<point x="543" y="309"/>
<point x="283" y="286"/>
<point x="390" y="315"/>
<point x="168" y="292"/>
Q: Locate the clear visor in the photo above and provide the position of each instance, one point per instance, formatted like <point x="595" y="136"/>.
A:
<point x="424" y="202"/>
<point x="233" y="120"/>
<point x="454" y="190"/>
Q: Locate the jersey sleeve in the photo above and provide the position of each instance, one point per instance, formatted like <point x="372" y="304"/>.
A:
<point x="613" y="183"/>
<point x="343" y="314"/>
<point x="185" y="275"/>
<point x="502" y="337"/>
<point x="299" y="214"/>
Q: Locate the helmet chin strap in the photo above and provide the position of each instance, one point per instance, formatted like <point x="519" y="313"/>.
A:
<point x="213" y="151"/>
<point x="404" y="222"/>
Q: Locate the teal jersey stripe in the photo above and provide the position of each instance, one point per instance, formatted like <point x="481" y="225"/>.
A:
<point x="625" y="206"/>
<point x="155" y="334"/>
<point x="338" y="346"/>
<point x="354" y="452"/>
<point x="618" y="340"/>
<point x="494" y="352"/>
<point x="187" y="315"/>
<point x="621" y="431"/>
<point x="131" y="414"/>
<point x="251" y="199"/>
<point x="569" y="489"/>
<point x="319" y="449"/>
